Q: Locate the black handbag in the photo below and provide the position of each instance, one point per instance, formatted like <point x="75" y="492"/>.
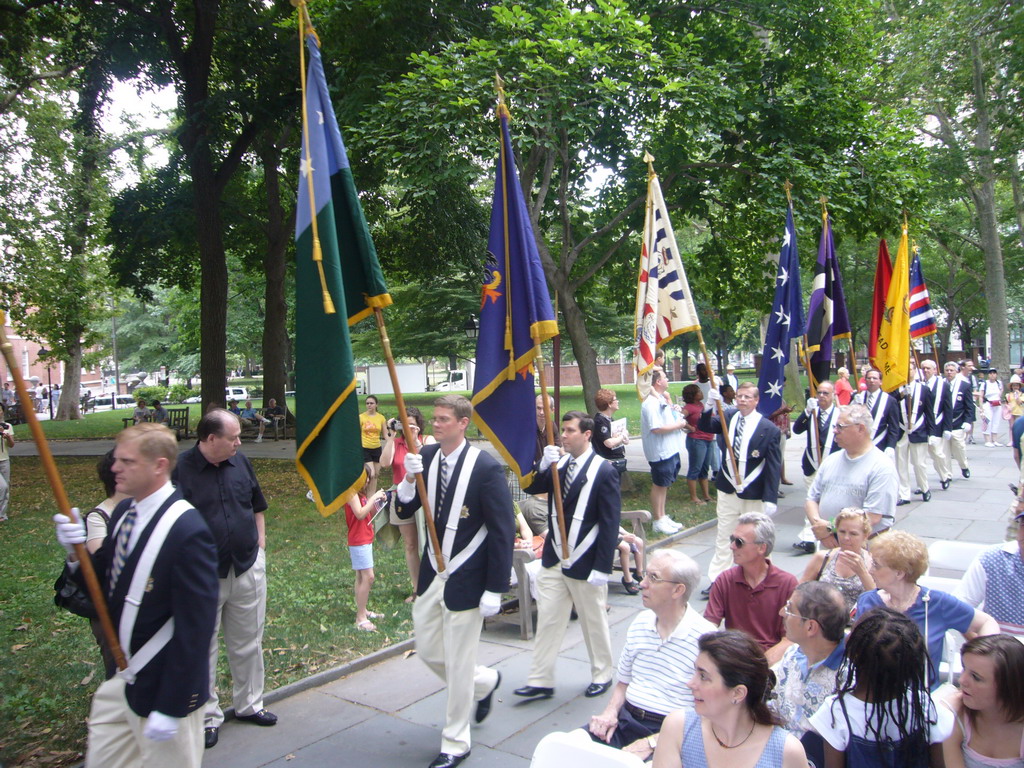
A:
<point x="71" y="596"/>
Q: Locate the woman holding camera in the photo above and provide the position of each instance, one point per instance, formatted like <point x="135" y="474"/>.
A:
<point x="393" y="455"/>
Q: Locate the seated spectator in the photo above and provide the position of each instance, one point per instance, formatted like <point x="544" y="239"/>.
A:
<point x="657" y="659"/>
<point x="989" y="707"/>
<point x="750" y="595"/>
<point x="847" y="567"/>
<point x="141" y="412"/>
<point x="159" y="414"/>
<point x="994" y="582"/>
<point x="730" y="723"/>
<point x="815" y="618"/>
<point x="250" y="416"/>
<point x="630" y="543"/>
<point x="233" y="407"/>
<point x="900" y="559"/>
<point x="881" y="714"/>
<point x="273" y="411"/>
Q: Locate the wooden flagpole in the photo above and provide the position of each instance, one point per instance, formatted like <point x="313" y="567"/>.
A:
<point x="92" y="583"/>
<point x="421" y="486"/>
<point x="556" y="481"/>
<point x="721" y="410"/>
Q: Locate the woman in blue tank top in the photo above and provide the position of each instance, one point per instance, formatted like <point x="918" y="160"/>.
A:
<point x="730" y="724"/>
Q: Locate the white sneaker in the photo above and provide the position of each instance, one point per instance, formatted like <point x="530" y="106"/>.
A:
<point x="664" y="526"/>
<point x="990" y="445"/>
<point x="259" y="439"/>
<point x="309" y="495"/>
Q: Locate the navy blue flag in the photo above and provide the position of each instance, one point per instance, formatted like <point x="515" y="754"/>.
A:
<point x="826" y="316"/>
<point x="515" y="317"/>
<point x="785" y="324"/>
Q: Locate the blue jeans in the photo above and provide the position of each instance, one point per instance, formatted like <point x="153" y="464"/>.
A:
<point x="699" y="454"/>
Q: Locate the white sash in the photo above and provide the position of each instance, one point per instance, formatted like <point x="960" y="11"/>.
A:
<point x="451" y="523"/>
<point x="136" y="591"/>
<point x="916" y="418"/>
<point x="881" y="400"/>
<point x="937" y="400"/>
<point x="577" y="548"/>
<point x="749" y="427"/>
<point x="830" y="435"/>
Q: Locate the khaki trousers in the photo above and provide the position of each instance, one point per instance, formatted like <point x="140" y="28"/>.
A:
<point x="241" y="613"/>
<point x="956" y="448"/>
<point x="447" y="642"/>
<point x="116" y="737"/>
<point x="556" y="595"/>
<point x="730" y="507"/>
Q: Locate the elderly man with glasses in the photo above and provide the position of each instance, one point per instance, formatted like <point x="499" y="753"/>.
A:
<point x="657" y="659"/>
<point x="751" y="594"/>
<point x="860" y="475"/>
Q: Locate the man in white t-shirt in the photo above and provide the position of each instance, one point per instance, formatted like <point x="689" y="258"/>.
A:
<point x="860" y="475"/>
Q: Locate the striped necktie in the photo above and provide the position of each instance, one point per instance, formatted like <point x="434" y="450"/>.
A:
<point x="869" y="400"/>
<point x="822" y="423"/>
<point x="121" y="549"/>
<point x="739" y="432"/>
<point x="570" y="474"/>
<point x="442" y="482"/>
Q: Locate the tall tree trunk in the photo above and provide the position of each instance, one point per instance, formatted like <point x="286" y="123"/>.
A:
<point x="1018" y="197"/>
<point x="985" y="204"/>
<point x="275" y="319"/>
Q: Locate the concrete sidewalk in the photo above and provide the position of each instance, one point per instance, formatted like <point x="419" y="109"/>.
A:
<point x="389" y="715"/>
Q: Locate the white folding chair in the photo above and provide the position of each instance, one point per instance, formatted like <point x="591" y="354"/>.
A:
<point x="564" y="750"/>
<point x="951" y="666"/>
<point x="953" y="556"/>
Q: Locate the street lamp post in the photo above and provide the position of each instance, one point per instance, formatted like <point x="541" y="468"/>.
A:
<point x="49" y="387"/>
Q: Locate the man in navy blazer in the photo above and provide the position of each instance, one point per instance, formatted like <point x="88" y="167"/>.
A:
<point x="759" y="462"/>
<point x="940" y="407"/>
<point x="591" y="507"/>
<point x="960" y="414"/>
<point x="917" y="417"/>
<point x="475" y="523"/>
<point x="885" y="413"/>
<point x="155" y="719"/>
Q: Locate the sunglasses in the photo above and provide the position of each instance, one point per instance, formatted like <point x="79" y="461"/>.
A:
<point x="737" y="542"/>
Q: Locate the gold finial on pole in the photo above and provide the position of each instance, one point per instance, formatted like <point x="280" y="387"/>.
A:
<point x="649" y="159"/>
<point x="787" y="185"/>
<point x="502" y="108"/>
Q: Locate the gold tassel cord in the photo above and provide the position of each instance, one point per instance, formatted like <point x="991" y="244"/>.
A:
<point x="318" y="256"/>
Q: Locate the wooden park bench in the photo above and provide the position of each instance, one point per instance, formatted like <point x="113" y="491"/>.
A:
<point x="636" y="518"/>
<point x="177" y="419"/>
<point x="279" y="427"/>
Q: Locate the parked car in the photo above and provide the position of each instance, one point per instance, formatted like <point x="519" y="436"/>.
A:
<point x="240" y="394"/>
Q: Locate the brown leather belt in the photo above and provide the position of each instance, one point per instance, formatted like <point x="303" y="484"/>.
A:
<point x="643" y="714"/>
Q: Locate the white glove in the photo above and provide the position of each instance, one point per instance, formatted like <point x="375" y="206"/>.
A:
<point x="160" y="727"/>
<point x="413" y="464"/>
<point x="597" y="578"/>
<point x="812" y="405"/>
<point x="551" y="456"/>
<point x="70" y="530"/>
<point x="714" y="396"/>
<point x="947" y="435"/>
<point x="933" y="441"/>
<point x="490" y="604"/>
<point x="770" y="509"/>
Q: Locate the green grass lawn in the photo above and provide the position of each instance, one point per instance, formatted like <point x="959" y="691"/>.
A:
<point x="50" y="663"/>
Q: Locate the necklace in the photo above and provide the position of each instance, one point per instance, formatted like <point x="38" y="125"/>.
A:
<point x="723" y="745"/>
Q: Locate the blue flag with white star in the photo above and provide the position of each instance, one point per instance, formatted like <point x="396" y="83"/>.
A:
<point x="785" y="324"/>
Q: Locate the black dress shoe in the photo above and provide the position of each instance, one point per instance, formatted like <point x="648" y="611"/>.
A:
<point x="902" y="502"/>
<point x="263" y="717"/>
<point x="596" y="689"/>
<point x="534" y="692"/>
<point x="926" y="496"/>
<point x="444" y="760"/>
<point x="804" y="547"/>
<point x="705" y="593"/>
<point x="945" y="484"/>
<point x="483" y="707"/>
<point x="210" y="736"/>
<point x="965" y="472"/>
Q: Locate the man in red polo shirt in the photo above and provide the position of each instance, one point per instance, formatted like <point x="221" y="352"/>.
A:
<point x="750" y="595"/>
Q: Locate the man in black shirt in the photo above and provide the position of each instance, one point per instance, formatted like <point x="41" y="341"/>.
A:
<point x="221" y="484"/>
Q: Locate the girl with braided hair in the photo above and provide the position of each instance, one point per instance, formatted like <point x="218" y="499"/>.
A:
<point x="881" y="715"/>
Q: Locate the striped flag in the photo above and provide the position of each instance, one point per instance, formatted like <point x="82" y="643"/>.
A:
<point x="664" y="304"/>
<point x="922" y="320"/>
